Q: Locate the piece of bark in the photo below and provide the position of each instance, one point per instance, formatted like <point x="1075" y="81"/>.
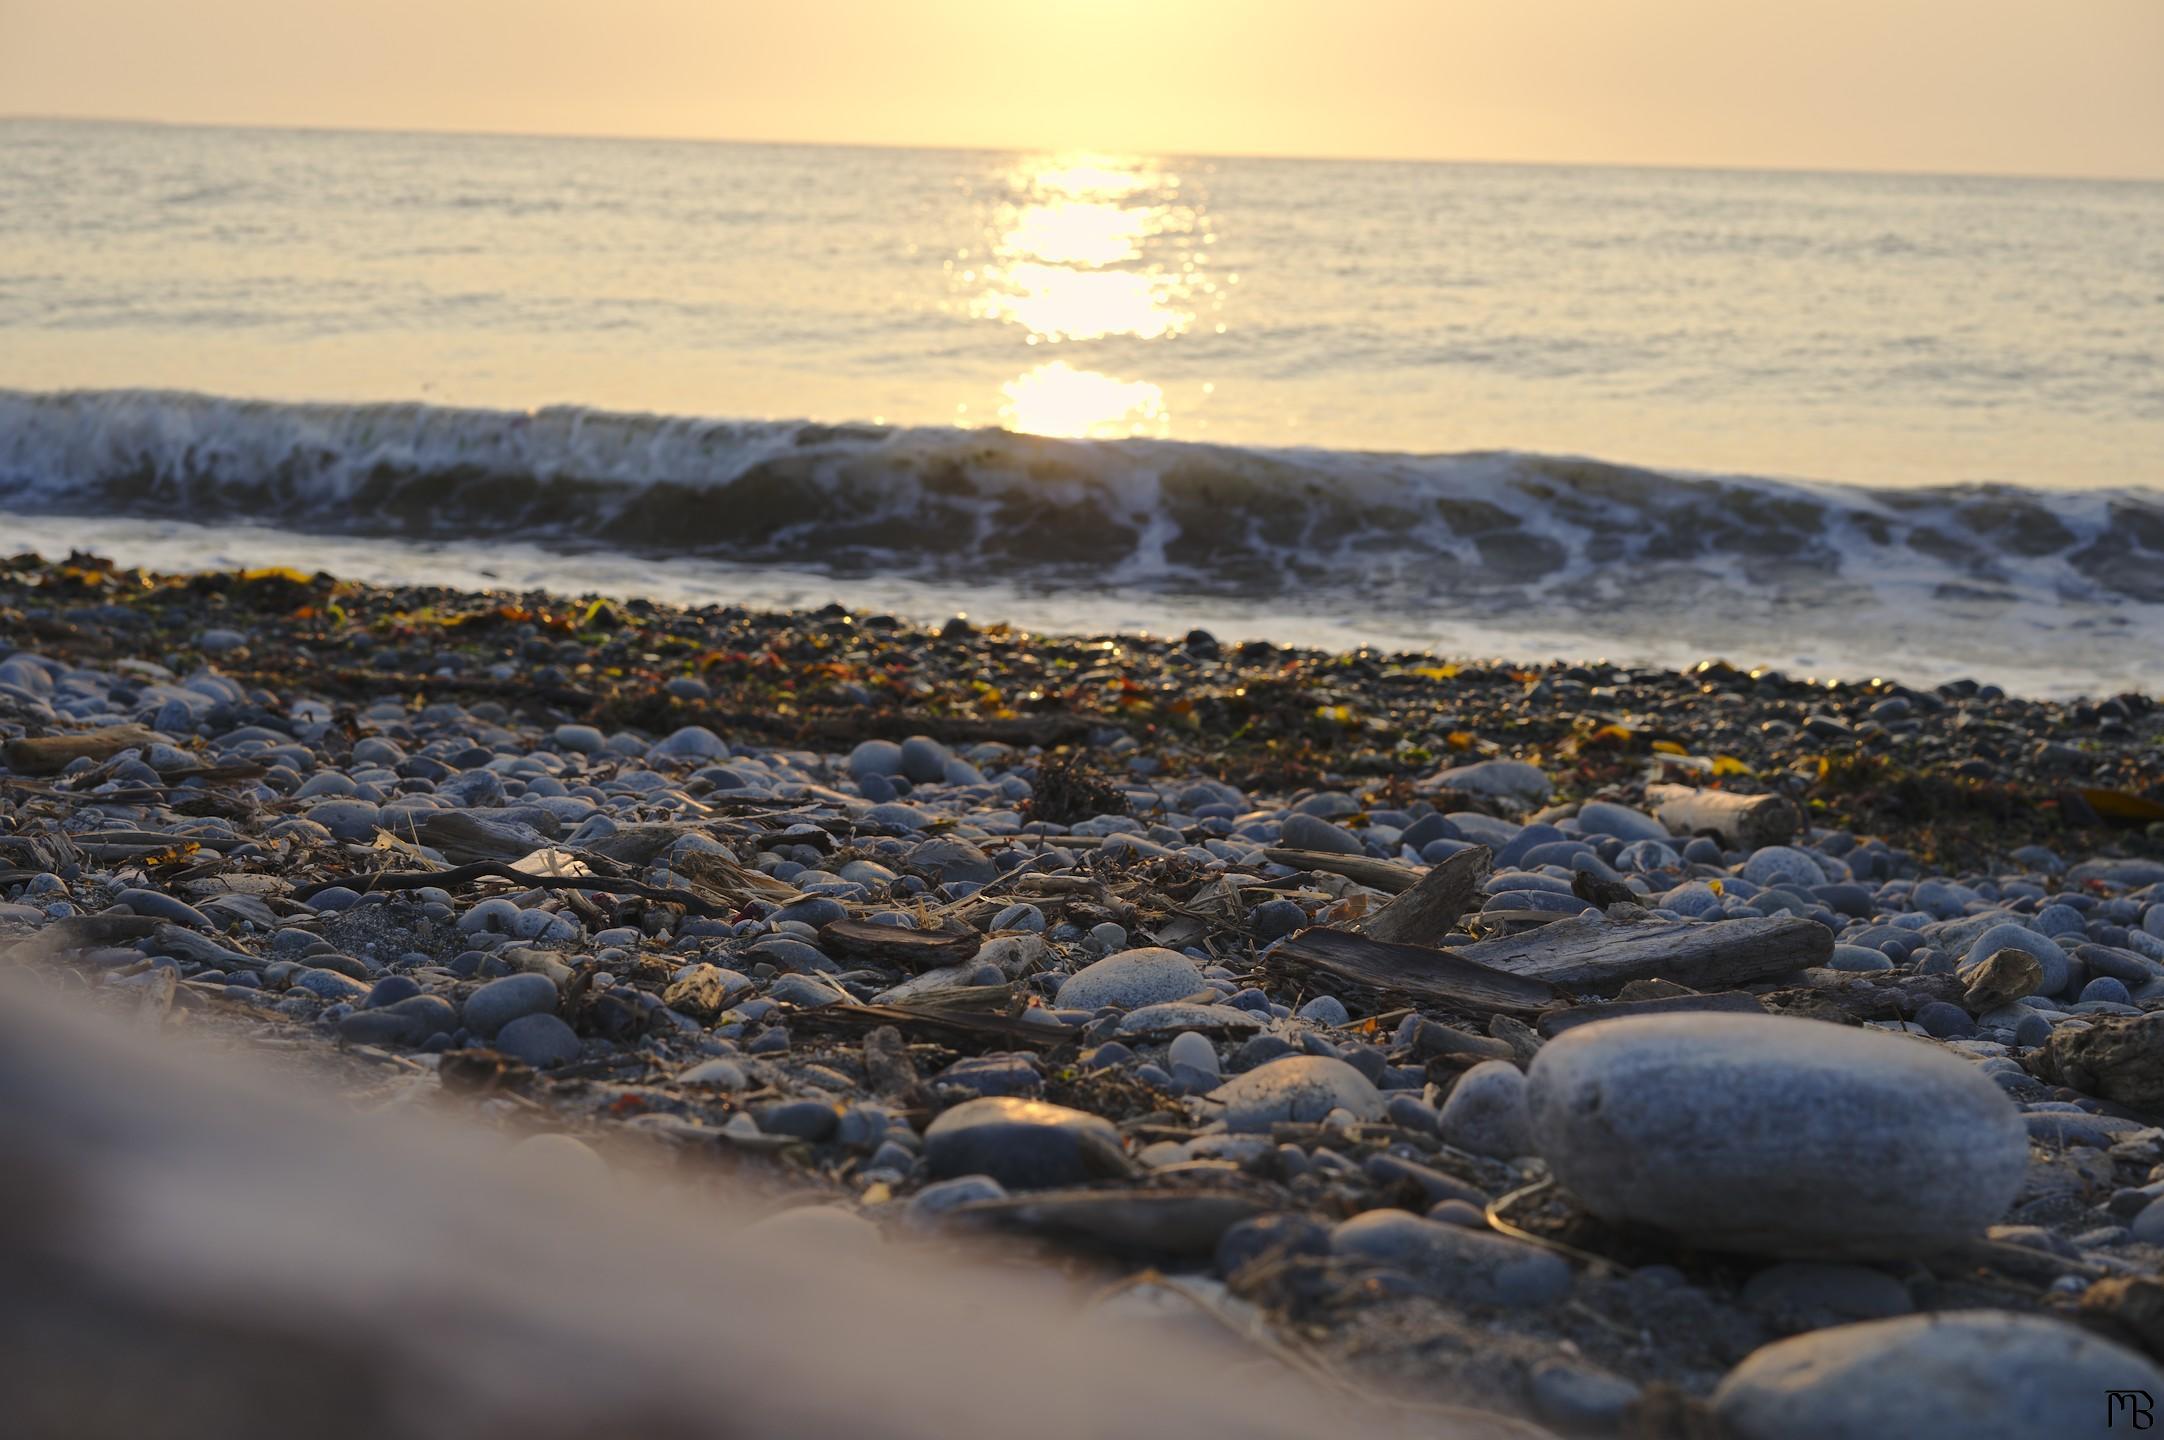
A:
<point x="1742" y="822"/>
<point x="1844" y="997"/>
<point x="2003" y="977"/>
<point x="2118" y="1058"/>
<point x="45" y="754"/>
<point x="1588" y="952"/>
<point x="1523" y="1042"/>
<point x="1385" y="875"/>
<point x="1433" y="1041"/>
<point x="1726" y="1002"/>
<point x="1439" y="977"/>
<point x="888" y="1069"/>
<point x="1599" y="893"/>
<point x="1425" y="913"/>
<point x="892" y="945"/>
<point x="2133" y="1305"/>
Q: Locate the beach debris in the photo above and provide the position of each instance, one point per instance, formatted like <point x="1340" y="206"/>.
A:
<point x="1744" y="821"/>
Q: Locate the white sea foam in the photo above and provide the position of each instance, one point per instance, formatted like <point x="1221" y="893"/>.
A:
<point x="1520" y="552"/>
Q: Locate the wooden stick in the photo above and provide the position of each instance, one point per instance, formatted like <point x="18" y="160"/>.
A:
<point x="496" y="870"/>
<point x="1435" y="977"/>
<point x="1384" y="875"/>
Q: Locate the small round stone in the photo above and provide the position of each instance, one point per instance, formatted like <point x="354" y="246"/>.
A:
<point x="1486" y="1112"/>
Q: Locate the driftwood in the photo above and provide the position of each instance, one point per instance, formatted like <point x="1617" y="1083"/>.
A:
<point x="1426" y="976"/>
<point x="1425" y="913"/>
<point x="1589" y="952"/>
<point x="1385" y="875"/>
<point x="45" y="754"/>
<point x="892" y="945"/>
<point x="1864" y="999"/>
<point x="496" y="870"/>
<point x="964" y="1030"/>
<point x="1727" y="1002"/>
<point x="1743" y="822"/>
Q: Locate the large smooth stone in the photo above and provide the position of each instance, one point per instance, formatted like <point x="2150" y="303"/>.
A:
<point x="1510" y="779"/>
<point x="1960" y="1375"/>
<point x="1151" y="975"/>
<point x="1600" y="817"/>
<point x="1309" y="832"/>
<point x="1470" y="1265"/>
<point x="512" y="997"/>
<point x="1298" y="1089"/>
<point x="953" y="858"/>
<point x="1023" y="1144"/>
<point x="1776" y="1136"/>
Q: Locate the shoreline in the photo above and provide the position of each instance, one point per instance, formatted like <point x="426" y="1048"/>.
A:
<point x="1253" y="964"/>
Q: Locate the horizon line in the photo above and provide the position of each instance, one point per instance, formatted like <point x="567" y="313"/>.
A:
<point x="1174" y="153"/>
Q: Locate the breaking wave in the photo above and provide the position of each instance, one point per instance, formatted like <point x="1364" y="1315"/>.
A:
<point x="1497" y="552"/>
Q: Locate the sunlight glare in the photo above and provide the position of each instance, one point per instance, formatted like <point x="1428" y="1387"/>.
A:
<point x="1057" y="399"/>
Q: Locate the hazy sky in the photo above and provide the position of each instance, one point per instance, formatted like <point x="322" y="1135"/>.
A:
<point x="2017" y="86"/>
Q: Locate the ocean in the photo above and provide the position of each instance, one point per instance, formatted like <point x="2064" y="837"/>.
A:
<point x="1846" y="425"/>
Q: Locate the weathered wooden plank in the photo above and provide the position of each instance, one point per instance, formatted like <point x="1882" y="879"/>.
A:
<point x="892" y="945"/>
<point x="1385" y="875"/>
<point x="1438" y="977"/>
<point x="1425" y="913"/>
<point x="1590" y="952"/>
<point x="45" y="754"/>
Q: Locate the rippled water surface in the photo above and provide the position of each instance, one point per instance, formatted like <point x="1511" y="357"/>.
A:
<point x="1870" y="329"/>
<point x="1840" y="421"/>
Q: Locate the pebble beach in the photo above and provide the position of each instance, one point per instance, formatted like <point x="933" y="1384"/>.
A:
<point x="1607" y="1049"/>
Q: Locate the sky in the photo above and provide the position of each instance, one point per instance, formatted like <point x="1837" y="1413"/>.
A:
<point x="1997" y="86"/>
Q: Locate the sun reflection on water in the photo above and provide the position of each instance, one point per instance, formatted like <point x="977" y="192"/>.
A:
<point x="1091" y="248"/>
<point x="1057" y="399"/>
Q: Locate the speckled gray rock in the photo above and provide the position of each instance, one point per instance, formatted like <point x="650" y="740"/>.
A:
<point x="1147" y="1018"/>
<point x="1776" y="1136"/>
<point x="499" y="1002"/>
<point x="1486" y="1112"/>
<point x="1960" y="1375"/>
<point x="346" y="819"/>
<point x="1023" y="1144"/>
<point x="1782" y="865"/>
<point x="1468" y="1265"/>
<point x="1298" y="1088"/>
<point x="1148" y="976"/>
